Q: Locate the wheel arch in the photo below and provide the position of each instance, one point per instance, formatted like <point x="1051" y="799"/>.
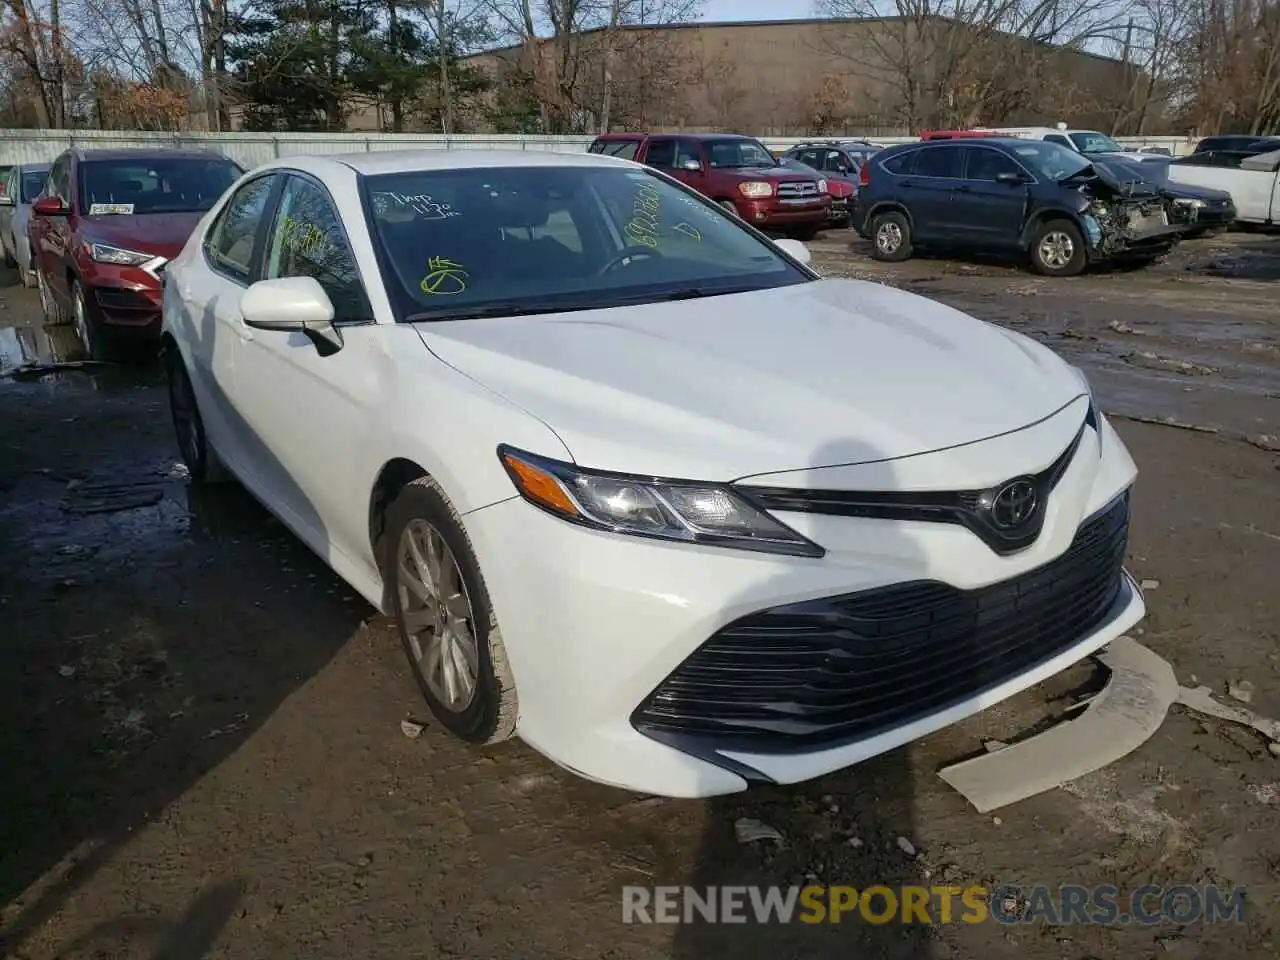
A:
<point x="890" y="206"/>
<point x="396" y="474"/>
<point x="1041" y="217"/>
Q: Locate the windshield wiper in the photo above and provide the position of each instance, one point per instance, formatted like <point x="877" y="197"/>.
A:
<point x="525" y="310"/>
<point x="497" y="310"/>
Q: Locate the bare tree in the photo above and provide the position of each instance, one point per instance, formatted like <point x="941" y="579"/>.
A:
<point x="944" y="62"/>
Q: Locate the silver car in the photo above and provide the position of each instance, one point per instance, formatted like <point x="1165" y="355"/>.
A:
<point x="25" y="182"/>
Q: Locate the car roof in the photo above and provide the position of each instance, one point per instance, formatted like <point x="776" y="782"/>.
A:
<point x="136" y="153"/>
<point x="406" y="161"/>
<point x="677" y="133"/>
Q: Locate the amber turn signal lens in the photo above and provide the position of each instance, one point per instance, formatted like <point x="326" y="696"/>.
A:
<point x="540" y="486"/>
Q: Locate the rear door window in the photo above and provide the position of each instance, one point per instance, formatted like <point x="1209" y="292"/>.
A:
<point x="662" y="153"/>
<point x="901" y="164"/>
<point x="946" y="162"/>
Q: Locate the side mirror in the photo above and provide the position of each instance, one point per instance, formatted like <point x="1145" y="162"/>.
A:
<point x="49" y="207"/>
<point x="794" y="248"/>
<point x="692" y="166"/>
<point x="293" y="304"/>
<point x="1013" y="179"/>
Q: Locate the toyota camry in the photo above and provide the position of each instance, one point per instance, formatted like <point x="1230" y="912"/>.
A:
<point x="634" y="482"/>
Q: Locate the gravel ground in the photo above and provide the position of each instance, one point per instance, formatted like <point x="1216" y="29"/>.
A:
<point x="203" y="725"/>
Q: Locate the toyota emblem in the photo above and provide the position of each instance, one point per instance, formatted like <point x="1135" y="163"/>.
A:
<point x="1014" y="504"/>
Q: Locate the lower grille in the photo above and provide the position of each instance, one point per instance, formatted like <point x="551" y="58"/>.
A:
<point x="119" y="305"/>
<point x="840" y="669"/>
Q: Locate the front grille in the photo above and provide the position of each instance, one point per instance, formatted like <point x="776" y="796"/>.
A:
<point x="797" y="188"/>
<point x="841" y="669"/>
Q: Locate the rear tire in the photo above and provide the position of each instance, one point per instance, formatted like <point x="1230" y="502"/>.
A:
<point x="461" y="634"/>
<point x="890" y="237"/>
<point x="1057" y="249"/>
<point x="201" y="459"/>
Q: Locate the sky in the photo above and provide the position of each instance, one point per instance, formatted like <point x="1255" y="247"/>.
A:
<point x="714" y="10"/>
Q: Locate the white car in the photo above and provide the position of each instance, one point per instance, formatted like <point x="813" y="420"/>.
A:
<point x="635" y="483"/>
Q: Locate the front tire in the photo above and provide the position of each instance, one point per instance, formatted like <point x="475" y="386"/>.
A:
<point x="890" y="237"/>
<point x="1057" y="249"/>
<point x="53" y="311"/>
<point x="92" y="337"/>
<point x="201" y="459"/>
<point x="446" y="623"/>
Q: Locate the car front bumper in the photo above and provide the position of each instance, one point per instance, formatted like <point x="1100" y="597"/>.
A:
<point x="775" y="212"/>
<point x="636" y="664"/>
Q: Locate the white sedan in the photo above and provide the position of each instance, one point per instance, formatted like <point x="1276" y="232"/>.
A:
<point x="635" y="483"/>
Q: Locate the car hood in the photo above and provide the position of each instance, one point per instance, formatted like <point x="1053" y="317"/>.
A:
<point x="1185" y="192"/>
<point x="815" y="374"/>
<point x="162" y="234"/>
<point x="766" y="173"/>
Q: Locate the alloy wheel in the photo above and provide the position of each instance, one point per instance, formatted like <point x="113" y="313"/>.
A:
<point x="437" y="617"/>
<point x="80" y="318"/>
<point x="888" y="237"/>
<point x="1056" y="249"/>
<point x="46" y="300"/>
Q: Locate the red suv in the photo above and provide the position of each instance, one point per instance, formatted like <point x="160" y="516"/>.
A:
<point x="739" y="173"/>
<point x="106" y="225"/>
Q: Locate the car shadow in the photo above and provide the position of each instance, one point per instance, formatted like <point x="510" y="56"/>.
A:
<point x="151" y="628"/>
<point x="851" y="828"/>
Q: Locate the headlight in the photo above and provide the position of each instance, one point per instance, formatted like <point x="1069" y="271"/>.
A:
<point x="756" y="188"/>
<point x="105" y="253"/>
<point x="822" y="186"/>
<point x="704" y="513"/>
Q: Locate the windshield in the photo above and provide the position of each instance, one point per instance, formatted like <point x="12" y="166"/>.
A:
<point x="1090" y="141"/>
<point x="1050" y="160"/>
<point x="33" y="182"/>
<point x="453" y="243"/>
<point x="738" y="152"/>
<point x="154" y="185"/>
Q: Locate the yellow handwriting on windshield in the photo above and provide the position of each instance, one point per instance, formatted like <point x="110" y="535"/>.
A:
<point x="642" y="228"/>
<point x="444" y="277"/>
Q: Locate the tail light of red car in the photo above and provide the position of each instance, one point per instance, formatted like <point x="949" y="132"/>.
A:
<point x="864" y="175"/>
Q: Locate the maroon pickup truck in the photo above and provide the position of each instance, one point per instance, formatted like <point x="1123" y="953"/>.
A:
<point x="739" y="173"/>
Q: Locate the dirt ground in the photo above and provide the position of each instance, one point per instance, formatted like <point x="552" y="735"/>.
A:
<point x="202" y="724"/>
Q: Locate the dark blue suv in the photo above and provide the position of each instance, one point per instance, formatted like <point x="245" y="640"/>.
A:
<point x="1029" y="198"/>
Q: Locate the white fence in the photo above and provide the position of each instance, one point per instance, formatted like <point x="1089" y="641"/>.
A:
<point x="251" y="149"/>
